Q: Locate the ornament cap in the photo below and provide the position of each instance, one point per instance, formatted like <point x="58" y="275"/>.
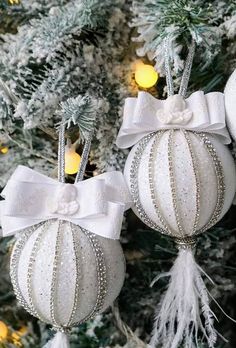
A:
<point x="185" y="243"/>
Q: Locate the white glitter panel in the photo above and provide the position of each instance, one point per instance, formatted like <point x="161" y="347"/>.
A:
<point x="88" y="276"/>
<point x="161" y="178"/>
<point x="23" y="265"/>
<point x="207" y="177"/>
<point x="115" y="263"/>
<point x="66" y="276"/>
<point x="229" y="173"/>
<point x="185" y="181"/>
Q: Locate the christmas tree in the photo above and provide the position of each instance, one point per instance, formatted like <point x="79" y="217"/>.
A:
<point x="74" y="58"/>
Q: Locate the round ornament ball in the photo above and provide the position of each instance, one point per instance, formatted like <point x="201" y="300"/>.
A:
<point x="181" y="182"/>
<point x="230" y="104"/>
<point x="65" y="275"/>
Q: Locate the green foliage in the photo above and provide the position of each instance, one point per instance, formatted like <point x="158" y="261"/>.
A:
<point x="72" y="59"/>
<point x="80" y="111"/>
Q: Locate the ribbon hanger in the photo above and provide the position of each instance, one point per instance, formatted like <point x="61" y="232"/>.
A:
<point x="61" y="154"/>
<point x="186" y="72"/>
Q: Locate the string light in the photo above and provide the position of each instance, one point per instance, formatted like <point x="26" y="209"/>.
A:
<point x="145" y="75"/>
<point x="4" y="150"/>
<point x="72" y="160"/>
<point x="14" y="2"/>
<point x="16" y="336"/>
<point x="3" y="331"/>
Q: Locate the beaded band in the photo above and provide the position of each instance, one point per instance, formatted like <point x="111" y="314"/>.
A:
<point x="186" y="243"/>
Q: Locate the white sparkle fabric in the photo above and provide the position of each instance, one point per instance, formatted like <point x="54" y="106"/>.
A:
<point x="74" y="257"/>
<point x="184" y="180"/>
<point x="144" y="115"/>
<point x="96" y="204"/>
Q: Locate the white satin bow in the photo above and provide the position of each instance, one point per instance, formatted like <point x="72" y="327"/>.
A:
<point x="96" y="204"/>
<point x="146" y="114"/>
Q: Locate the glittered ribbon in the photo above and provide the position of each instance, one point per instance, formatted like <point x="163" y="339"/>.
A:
<point x="141" y="117"/>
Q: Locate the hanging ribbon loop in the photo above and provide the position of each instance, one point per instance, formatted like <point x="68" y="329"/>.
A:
<point x="96" y="204"/>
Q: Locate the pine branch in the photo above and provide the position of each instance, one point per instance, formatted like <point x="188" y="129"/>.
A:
<point x="181" y="20"/>
<point x="80" y="111"/>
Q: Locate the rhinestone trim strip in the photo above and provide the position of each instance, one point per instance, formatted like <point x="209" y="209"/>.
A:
<point x="134" y="186"/>
<point x="220" y="182"/>
<point x="151" y="175"/>
<point x="173" y="183"/>
<point x="101" y="276"/>
<point x="19" y="246"/>
<point x="76" y="293"/>
<point x="186" y="243"/>
<point x="197" y="181"/>
<point x="32" y="260"/>
<point x="54" y="276"/>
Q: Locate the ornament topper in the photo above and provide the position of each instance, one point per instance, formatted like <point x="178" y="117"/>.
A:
<point x="146" y="114"/>
<point x="31" y="197"/>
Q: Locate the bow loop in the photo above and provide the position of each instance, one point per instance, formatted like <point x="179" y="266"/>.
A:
<point x="146" y="114"/>
<point x="96" y="204"/>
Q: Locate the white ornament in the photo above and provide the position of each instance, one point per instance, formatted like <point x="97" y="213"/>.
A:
<point x="182" y="183"/>
<point x="65" y="275"/>
<point x="230" y="104"/>
<point x="174" y="111"/>
<point x="67" y="264"/>
<point x="175" y="176"/>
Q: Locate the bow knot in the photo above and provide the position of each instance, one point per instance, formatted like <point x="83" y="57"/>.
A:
<point x="65" y="201"/>
<point x="174" y="111"/>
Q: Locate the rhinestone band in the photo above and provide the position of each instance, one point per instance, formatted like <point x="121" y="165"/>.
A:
<point x="101" y="276"/>
<point x="61" y="154"/>
<point x="220" y="183"/>
<point x="186" y="243"/>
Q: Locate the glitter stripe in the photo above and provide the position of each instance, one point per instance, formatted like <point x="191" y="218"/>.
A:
<point x="151" y="170"/>
<point x="197" y="181"/>
<point x="30" y="270"/>
<point x="101" y="270"/>
<point x="54" y="276"/>
<point x="77" y="274"/>
<point x="173" y="183"/>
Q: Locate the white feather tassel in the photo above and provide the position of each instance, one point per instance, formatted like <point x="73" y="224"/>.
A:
<point x="178" y="319"/>
<point x="60" y="340"/>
